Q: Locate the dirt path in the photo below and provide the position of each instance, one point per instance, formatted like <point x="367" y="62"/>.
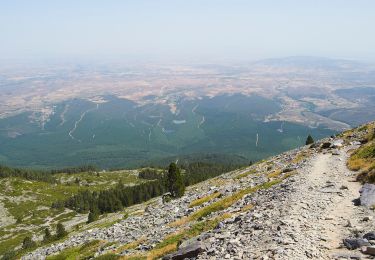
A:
<point x="323" y="207"/>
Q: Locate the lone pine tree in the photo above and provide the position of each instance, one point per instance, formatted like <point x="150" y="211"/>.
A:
<point x="93" y="215"/>
<point x="175" y="182"/>
<point x="60" y="231"/>
<point x="309" y="140"/>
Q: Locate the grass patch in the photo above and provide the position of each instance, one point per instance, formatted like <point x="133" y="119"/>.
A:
<point x="85" y="251"/>
<point x="363" y="158"/>
<point x="202" y="200"/>
<point x="157" y="253"/>
<point x="133" y="257"/>
<point x="245" y="174"/>
<point x="299" y="157"/>
<point x="107" y="257"/>
<point x="274" y="174"/>
<point x="105" y="224"/>
<point x="247" y="207"/>
<point x="131" y="245"/>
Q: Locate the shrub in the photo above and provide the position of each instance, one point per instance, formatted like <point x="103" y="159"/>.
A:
<point x="107" y="257"/>
<point x="47" y="235"/>
<point x="9" y="255"/>
<point x="28" y="243"/>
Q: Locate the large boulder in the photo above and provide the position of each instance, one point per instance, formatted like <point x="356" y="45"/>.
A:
<point x="367" y="197"/>
<point x="190" y="251"/>
<point x="354" y="243"/>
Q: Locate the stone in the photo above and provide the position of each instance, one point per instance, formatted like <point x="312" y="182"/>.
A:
<point x="369" y="235"/>
<point x="220" y="225"/>
<point x="325" y="145"/>
<point x="349" y="223"/>
<point x="346" y="256"/>
<point x="354" y="243"/>
<point x="190" y="251"/>
<point x="367" y="218"/>
<point x="367" y="197"/>
<point x="368" y="250"/>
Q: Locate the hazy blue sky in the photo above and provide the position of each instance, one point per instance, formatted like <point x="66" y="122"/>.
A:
<point x="198" y="29"/>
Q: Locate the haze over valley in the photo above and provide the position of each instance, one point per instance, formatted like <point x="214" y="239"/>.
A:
<point x="125" y="116"/>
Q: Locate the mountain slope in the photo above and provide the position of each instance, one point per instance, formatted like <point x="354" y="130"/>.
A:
<point x="296" y="205"/>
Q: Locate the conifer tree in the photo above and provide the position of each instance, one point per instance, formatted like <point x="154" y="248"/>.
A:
<point x="28" y="243"/>
<point x="309" y="140"/>
<point x="47" y="235"/>
<point x="93" y="215"/>
<point x="175" y="182"/>
<point x="60" y="231"/>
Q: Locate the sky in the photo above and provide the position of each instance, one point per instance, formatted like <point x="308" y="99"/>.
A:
<point x="187" y="29"/>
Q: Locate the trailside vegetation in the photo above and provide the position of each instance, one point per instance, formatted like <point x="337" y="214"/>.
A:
<point x="120" y="196"/>
<point x="363" y="159"/>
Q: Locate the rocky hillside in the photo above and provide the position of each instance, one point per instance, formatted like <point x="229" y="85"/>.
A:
<point x="302" y="204"/>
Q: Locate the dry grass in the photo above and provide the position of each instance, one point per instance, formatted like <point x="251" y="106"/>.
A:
<point x="217" y="182"/>
<point x="247" y="207"/>
<point x="157" y="253"/>
<point x="363" y="159"/>
<point x="180" y="222"/>
<point x="300" y="157"/>
<point x="133" y="257"/>
<point x="245" y="174"/>
<point x="274" y="174"/>
<point x="139" y="212"/>
<point x="205" y="199"/>
<point x="356" y="164"/>
<point x="131" y="245"/>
